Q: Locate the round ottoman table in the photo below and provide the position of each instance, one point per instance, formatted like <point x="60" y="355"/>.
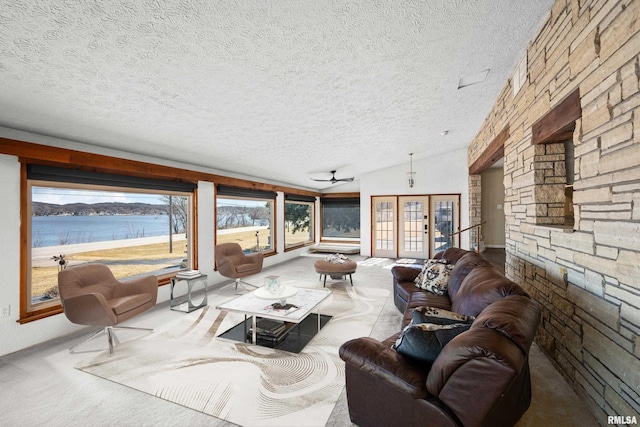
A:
<point x="338" y="268"/>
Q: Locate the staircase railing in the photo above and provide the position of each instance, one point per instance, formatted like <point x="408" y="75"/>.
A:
<point x="477" y="235"/>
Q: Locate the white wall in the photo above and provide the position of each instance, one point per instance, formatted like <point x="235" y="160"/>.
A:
<point x="446" y="173"/>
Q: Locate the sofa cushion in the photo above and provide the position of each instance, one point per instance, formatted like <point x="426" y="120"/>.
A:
<point x="462" y="268"/>
<point x="481" y="287"/>
<point x="439" y="316"/>
<point x="452" y="254"/>
<point x="514" y="316"/>
<point x="434" y="276"/>
<point x="423" y="342"/>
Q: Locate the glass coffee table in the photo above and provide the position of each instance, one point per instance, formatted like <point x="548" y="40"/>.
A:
<point x="286" y="323"/>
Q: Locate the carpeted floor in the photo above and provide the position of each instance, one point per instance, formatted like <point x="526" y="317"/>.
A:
<point x="39" y="385"/>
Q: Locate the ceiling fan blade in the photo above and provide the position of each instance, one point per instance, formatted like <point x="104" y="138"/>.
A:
<point x="333" y="179"/>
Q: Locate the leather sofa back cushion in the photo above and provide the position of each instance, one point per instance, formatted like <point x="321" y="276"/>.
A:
<point x="481" y="287"/>
<point x="462" y="268"/>
<point x="514" y="316"/>
<point x="452" y="255"/>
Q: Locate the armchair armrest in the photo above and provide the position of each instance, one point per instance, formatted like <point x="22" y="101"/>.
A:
<point x="255" y="258"/>
<point x="378" y="359"/>
<point x="89" y="309"/>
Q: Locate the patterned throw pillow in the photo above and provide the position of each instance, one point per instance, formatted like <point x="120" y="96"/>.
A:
<point x="439" y="316"/>
<point x="434" y="276"/>
<point x="423" y="342"/>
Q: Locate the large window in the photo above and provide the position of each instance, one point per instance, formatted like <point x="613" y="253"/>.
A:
<point x="298" y="221"/>
<point x="341" y="219"/>
<point x="135" y="231"/>
<point x="245" y="217"/>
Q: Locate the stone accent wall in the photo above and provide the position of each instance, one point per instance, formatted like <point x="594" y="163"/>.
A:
<point x="550" y="179"/>
<point x="587" y="280"/>
<point x="475" y="208"/>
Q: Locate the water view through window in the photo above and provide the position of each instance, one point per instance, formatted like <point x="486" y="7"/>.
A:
<point x="132" y="233"/>
<point x="245" y="221"/>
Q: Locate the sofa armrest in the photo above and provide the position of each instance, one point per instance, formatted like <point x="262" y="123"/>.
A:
<point x="383" y="362"/>
<point x="405" y="274"/>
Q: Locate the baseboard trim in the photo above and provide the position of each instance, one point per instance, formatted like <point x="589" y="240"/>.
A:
<point x="495" y="246"/>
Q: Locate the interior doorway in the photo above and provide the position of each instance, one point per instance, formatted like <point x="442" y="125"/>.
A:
<point x="414" y="226"/>
<point x="493" y="218"/>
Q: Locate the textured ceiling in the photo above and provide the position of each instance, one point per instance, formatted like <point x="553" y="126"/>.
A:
<point x="281" y="90"/>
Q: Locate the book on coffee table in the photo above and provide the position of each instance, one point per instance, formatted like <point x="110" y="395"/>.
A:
<point x="269" y="331"/>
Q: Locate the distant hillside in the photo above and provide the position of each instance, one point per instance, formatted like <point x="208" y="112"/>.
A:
<point x="48" y="209"/>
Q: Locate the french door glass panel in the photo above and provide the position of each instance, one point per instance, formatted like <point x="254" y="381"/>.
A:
<point x="444" y="222"/>
<point x="413" y="227"/>
<point x="384" y="226"/>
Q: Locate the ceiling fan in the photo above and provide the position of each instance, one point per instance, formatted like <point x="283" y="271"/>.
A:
<point x="333" y="179"/>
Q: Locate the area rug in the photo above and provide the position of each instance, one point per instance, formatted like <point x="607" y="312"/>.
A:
<point x="184" y="362"/>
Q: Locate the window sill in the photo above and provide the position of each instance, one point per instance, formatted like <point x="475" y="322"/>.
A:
<point x="298" y="246"/>
<point x="30" y="317"/>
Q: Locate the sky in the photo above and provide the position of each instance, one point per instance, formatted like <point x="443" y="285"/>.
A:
<point x="62" y="196"/>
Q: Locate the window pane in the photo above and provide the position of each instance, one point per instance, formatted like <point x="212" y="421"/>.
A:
<point x="385" y="230"/>
<point x="133" y="233"/>
<point x="341" y="221"/>
<point x="444" y="222"/>
<point x="413" y="233"/>
<point x="298" y="223"/>
<point x="245" y="221"/>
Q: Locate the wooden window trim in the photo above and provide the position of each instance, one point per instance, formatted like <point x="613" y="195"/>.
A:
<point x="337" y="240"/>
<point x="312" y="223"/>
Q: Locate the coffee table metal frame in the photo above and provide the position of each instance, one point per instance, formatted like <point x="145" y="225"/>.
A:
<point x="249" y="304"/>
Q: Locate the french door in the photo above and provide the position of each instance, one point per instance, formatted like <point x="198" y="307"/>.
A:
<point x="385" y="212"/>
<point x="414" y="226"/>
<point x="445" y="213"/>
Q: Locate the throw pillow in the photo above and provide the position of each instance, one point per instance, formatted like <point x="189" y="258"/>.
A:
<point x="423" y="342"/>
<point x="336" y="259"/>
<point x="439" y="316"/>
<point x="434" y="276"/>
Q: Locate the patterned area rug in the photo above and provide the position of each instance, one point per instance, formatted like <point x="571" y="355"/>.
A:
<point x="184" y="362"/>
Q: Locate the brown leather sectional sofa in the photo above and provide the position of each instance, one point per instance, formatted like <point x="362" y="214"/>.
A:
<point x="480" y="378"/>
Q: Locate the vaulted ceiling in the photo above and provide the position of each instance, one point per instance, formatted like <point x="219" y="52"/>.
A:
<point x="279" y="90"/>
